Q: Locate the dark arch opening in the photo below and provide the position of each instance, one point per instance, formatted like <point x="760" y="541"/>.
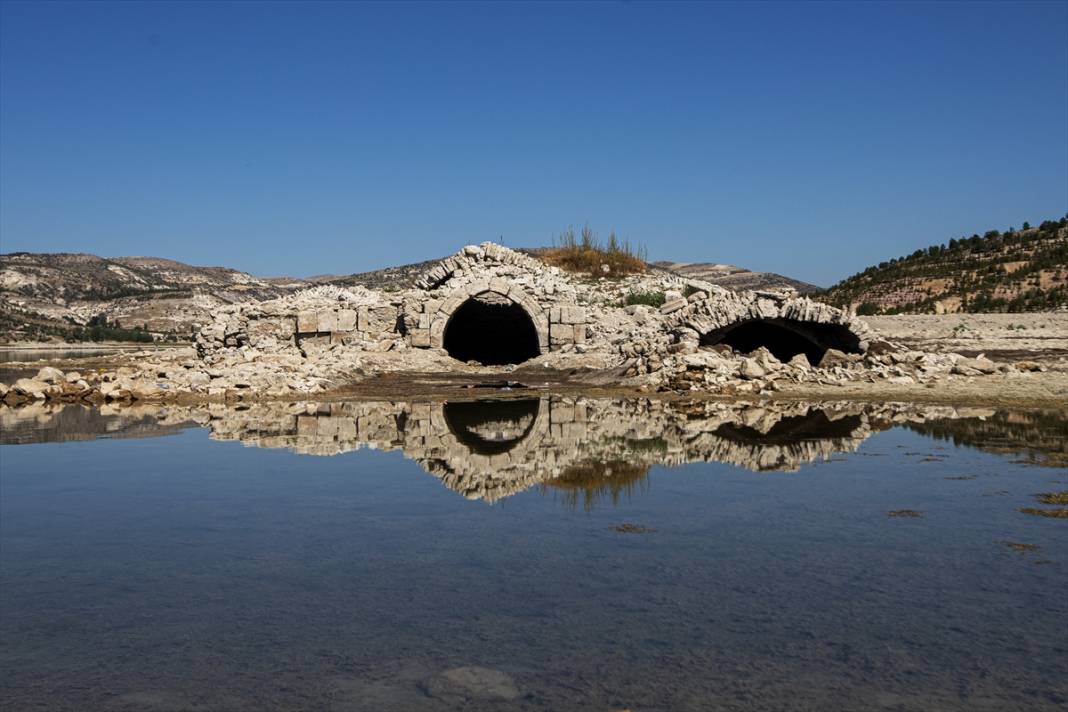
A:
<point x="814" y="425"/>
<point x="785" y="338"/>
<point x="491" y="427"/>
<point x="492" y="330"/>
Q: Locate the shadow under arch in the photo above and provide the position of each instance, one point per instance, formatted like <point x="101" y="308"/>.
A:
<point x="785" y="338"/>
<point x="492" y="329"/>
<point x="491" y="427"/>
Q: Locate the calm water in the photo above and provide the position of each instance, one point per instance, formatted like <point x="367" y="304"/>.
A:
<point x="9" y="355"/>
<point x="537" y="554"/>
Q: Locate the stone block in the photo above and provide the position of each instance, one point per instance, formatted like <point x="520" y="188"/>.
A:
<point x="673" y="306"/>
<point x="307" y="322"/>
<point x="327" y="321"/>
<point x="307" y="425"/>
<point x="562" y="413"/>
<point x="420" y="338"/>
<point x="346" y="320"/>
<point x="572" y="315"/>
<point x="554" y="315"/>
<point x="501" y="286"/>
<point x="580" y="333"/>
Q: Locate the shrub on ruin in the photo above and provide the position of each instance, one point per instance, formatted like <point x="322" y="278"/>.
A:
<point x="649" y="299"/>
<point x="586" y="253"/>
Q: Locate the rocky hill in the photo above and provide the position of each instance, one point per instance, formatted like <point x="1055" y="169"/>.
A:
<point x="1013" y="271"/>
<point x="45" y="296"/>
<point x="735" y="278"/>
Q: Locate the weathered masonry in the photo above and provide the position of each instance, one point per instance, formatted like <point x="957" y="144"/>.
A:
<point x="493" y="305"/>
<point x="490" y="305"/>
<point x="485" y="304"/>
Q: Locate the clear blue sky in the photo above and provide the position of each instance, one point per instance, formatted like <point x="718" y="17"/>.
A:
<point x="806" y="139"/>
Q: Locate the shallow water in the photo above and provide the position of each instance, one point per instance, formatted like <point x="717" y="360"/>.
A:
<point x="541" y="554"/>
<point x="9" y="355"/>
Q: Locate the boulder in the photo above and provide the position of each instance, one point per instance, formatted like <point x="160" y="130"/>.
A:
<point x="751" y="369"/>
<point x="973" y="366"/>
<point x="834" y="357"/>
<point x="31" y="388"/>
<point x="50" y="375"/>
<point x="472" y="683"/>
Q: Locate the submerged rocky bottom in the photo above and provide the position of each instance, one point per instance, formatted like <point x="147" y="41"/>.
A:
<point x="635" y="556"/>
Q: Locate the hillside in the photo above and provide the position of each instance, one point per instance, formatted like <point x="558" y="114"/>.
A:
<point x="1015" y="271"/>
<point x="60" y="295"/>
<point x="735" y="278"/>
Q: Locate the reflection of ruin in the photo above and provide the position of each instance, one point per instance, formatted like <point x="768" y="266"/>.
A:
<point x="583" y="448"/>
<point x="491" y="449"/>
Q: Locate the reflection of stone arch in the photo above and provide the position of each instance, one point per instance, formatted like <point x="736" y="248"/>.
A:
<point x="490" y="464"/>
<point x="485" y="476"/>
<point x="500" y="289"/>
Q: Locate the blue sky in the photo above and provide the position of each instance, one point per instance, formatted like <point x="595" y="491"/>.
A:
<point x="300" y="139"/>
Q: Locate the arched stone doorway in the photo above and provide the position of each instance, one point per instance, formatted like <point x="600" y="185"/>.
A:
<point x="492" y="330"/>
<point x="785" y="338"/>
<point x="493" y="326"/>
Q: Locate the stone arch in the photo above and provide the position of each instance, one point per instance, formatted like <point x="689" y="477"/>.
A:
<point x="785" y="338"/>
<point x="785" y="325"/>
<point x="490" y="291"/>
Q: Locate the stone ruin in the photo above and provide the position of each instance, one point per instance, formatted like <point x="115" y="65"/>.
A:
<point x="491" y="306"/>
<point x="488" y="309"/>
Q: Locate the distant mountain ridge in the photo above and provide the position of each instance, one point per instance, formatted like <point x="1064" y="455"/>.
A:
<point x="736" y="278"/>
<point x="1012" y="271"/>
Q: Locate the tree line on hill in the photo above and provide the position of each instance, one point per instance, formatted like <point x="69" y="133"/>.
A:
<point x="974" y="268"/>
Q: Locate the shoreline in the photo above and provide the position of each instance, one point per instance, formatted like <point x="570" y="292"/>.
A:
<point x="90" y="346"/>
<point x="1037" y="391"/>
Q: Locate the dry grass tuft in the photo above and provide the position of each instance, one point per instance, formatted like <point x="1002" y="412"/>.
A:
<point x="586" y="254"/>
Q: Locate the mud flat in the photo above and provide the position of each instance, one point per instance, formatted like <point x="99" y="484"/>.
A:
<point x="1030" y="335"/>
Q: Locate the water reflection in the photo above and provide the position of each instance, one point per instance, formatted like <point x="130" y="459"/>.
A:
<point x="180" y="574"/>
<point x="586" y="448"/>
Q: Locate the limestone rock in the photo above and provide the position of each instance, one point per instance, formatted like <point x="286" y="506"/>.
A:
<point x="973" y="366"/>
<point x="751" y="369"/>
<point x="833" y="358"/>
<point x="472" y="682"/>
<point x="50" y="375"/>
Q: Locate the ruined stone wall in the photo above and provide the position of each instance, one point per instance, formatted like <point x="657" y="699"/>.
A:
<point x="305" y="323"/>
